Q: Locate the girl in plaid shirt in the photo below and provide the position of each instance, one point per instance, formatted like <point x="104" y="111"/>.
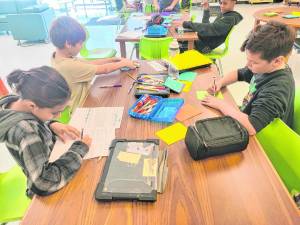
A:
<point x="27" y="128"/>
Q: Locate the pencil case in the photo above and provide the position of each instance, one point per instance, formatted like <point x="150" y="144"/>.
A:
<point x="164" y="109"/>
<point x="152" y="84"/>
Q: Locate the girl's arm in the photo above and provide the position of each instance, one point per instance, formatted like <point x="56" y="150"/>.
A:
<point x="46" y="177"/>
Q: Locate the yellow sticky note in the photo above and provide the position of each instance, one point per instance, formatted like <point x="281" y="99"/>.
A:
<point x="219" y="95"/>
<point x="129" y="157"/>
<point x="202" y="94"/>
<point x="173" y="133"/>
<point x="187" y="86"/>
<point x="150" y="168"/>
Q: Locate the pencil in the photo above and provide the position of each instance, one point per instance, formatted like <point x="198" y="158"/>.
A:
<point x="81" y="134"/>
<point x="215" y="87"/>
<point x="110" y="85"/>
<point x="129" y="75"/>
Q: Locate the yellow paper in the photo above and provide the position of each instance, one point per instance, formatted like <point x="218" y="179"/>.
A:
<point x="172" y="134"/>
<point x="129" y="157"/>
<point x="189" y="59"/>
<point x="150" y="168"/>
<point x="187" y="85"/>
<point x="202" y="94"/>
<point x="295" y="13"/>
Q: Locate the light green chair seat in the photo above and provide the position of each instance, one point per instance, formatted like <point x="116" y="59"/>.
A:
<point x="282" y="145"/>
<point x="13" y="199"/>
<point x="154" y="48"/>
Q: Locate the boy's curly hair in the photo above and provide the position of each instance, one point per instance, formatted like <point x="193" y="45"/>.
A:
<point x="272" y="39"/>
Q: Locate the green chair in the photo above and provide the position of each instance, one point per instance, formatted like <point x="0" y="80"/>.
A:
<point x="296" y="122"/>
<point x="154" y="48"/>
<point x="98" y="53"/>
<point x="281" y="144"/>
<point x="219" y="52"/>
<point x="65" y="116"/>
<point x="13" y="199"/>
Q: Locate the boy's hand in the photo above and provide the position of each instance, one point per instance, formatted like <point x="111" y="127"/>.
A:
<point x="64" y="132"/>
<point x="215" y="87"/>
<point x="205" y="4"/>
<point x="86" y="139"/>
<point x="129" y="63"/>
<point x="216" y="103"/>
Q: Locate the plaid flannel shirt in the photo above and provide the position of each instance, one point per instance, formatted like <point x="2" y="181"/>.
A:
<point x="30" y="142"/>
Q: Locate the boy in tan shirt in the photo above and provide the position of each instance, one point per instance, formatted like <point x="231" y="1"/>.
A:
<point x="67" y="35"/>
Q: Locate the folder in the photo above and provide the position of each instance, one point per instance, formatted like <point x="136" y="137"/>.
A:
<point x="190" y="60"/>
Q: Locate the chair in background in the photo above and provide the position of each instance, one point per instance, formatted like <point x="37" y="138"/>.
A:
<point x="154" y="48"/>
<point x="3" y="89"/>
<point x="281" y="144"/>
<point x="13" y="199"/>
<point x="219" y="52"/>
<point x="97" y="53"/>
<point x="31" y="24"/>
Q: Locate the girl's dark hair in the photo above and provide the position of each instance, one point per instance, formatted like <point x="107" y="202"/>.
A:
<point x="272" y="39"/>
<point x="66" y="29"/>
<point x="43" y="85"/>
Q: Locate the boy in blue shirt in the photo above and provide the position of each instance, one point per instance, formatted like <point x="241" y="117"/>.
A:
<point x="272" y="86"/>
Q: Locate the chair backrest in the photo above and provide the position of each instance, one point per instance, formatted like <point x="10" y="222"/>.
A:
<point x="281" y="144"/>
<point x="223" y="49"/>
<point x="13" y="200"/>
<point x="154" y="48"/>
<point x="65" y="115"/>
<point x="296" y="122"/>
<point x="3" y="89"/>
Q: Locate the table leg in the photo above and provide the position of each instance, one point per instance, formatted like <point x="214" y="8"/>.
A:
<point x="137" y="50"/>
<point x="190" y="45"/>
<point x="123" y="49"/>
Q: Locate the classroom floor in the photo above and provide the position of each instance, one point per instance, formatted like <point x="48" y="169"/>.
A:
<point x="13" y="57"/>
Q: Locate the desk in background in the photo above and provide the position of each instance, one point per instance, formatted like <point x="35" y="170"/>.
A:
<point x="129" y="26"/>
<point x="259" y="16"/>
<point x="241" y="188"/>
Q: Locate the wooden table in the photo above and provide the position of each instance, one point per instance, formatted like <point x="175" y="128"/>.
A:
<point x="285" y="10"/>
<point x="240" y="188"/>
<point x="190" y="37"/>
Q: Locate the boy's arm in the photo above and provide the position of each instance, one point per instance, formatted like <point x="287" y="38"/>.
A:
<point x="218" y="28"/>
<point x="230" y="78"/>
<point x="103" y="61"/>
<point x="206" y="16"/>
<point x="243" y="118"/>
<point x="230" y="110"/>
<point x="110" y="67"/>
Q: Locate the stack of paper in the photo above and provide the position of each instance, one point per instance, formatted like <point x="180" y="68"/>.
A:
<point x="99" y="123"/>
